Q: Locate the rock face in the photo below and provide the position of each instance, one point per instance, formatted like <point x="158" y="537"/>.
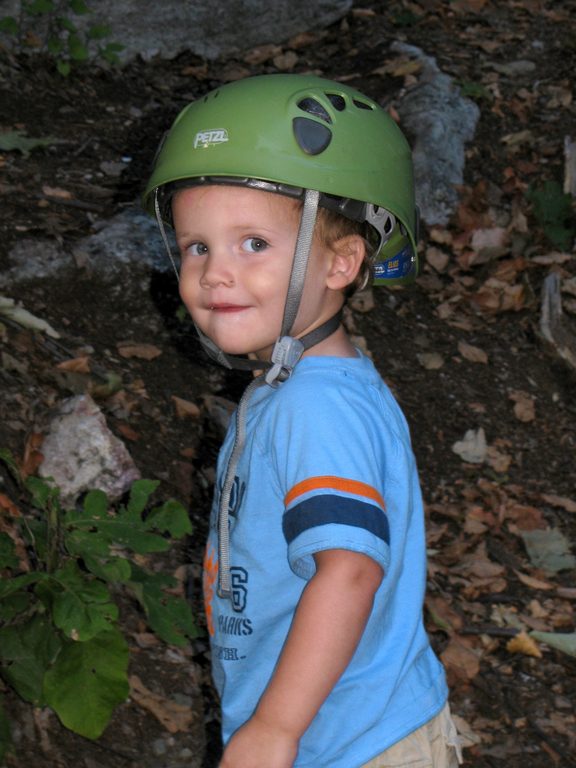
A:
<point x="147" y="27"/>
<point x="81" y="453"/>
<point x="439" y="122"/>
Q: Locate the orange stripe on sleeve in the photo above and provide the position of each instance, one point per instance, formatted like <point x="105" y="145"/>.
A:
<point x="334" y="483"/>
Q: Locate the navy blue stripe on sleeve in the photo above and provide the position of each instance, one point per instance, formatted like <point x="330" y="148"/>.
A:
<point x="341" y="510"/>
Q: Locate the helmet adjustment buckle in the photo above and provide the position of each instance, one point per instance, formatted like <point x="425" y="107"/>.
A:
<point x="286" y="353"/>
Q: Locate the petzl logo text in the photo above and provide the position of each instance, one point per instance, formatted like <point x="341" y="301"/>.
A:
<point x="212" y="136"/>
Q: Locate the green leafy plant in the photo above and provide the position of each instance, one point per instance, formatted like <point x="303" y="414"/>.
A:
<point x="61" y="35"/>
<point x="553" y="211"/>
<point x="472" y="90"/>
<point x="63" y="574"/>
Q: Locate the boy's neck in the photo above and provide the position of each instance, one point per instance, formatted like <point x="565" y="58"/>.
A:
<point x="337" y="344"/>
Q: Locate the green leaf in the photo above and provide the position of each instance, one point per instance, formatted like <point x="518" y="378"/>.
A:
<point x="79" y="7"/>
<point x="81" y="606"/>
<point x="40" y="7"/>
<point x="10" y="586"/>
<point x="8" y="558"/>
<point x="95" y="528"/>
<point x="55" y="46"/>
<point x="78" y="51"/>
<point x="6" y="455"/>
<point x="565" y="642"/>
<point x="16" y="140"/>
<point x="26" y="652"/>
<point x="99" y="31"/>
<point x="10" y="25"/>
<point x="85" y="543"/>
<point x="66" y="24"/>
<point x="170" y="518"/>
<point x="14" y="604"/>
<point x="87" y="682"/>
<point x="553" y="210"/>
<point x="140" y="492"/>
<point x="5" y="735"/>
<point x="63" y="67"/>
<point x="123" y="532"/>
<point x="169" y="616"/>
<point x="96" y="504"/>
<point x="472" y="90"/>
<point x="43" y="494"/>
<point x="116" y="570"/>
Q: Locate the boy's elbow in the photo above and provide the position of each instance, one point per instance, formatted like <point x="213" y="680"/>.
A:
<point x="354" y="571"/>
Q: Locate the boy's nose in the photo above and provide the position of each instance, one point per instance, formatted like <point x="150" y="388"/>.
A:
<point x="217" y="271"/>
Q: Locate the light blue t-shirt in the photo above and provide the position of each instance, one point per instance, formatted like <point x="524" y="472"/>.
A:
<point x="327" y="464"/>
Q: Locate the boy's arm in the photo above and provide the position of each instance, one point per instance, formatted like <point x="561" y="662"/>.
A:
<point x="326" y="629"/>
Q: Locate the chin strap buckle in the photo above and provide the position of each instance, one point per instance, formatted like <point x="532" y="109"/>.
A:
<point x="286" y="353"/>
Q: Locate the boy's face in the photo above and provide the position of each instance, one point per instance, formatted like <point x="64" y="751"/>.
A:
<point x="237" y="246"/>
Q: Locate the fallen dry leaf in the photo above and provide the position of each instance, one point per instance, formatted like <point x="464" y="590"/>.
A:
<point x="526" y="517"/>
<point x="32" y="455"/>
<point x="142" y="351"/>
<point x="437" y="258"/>
<point x="547" y="259"/>
<point x="7" y="504"/>
<point x="472" y="448"/>
<point x="524" y="644"/>
<point x="57" y="192"/>
<point x="559" y="501"/>
<point x="286" y="62"/>
<point x="185" y="409"/>
<point x="533" y="583"/>
<point x="430" y="360"/>
<point x="461" y="659"/>
<point x="496" y="296"/>
<point x="173" y="716"/>
<point x="262" y="53"/>
<point x="399" y="68"/>
<point x="471" y="353"/>
<point x="127" y="432"/>
<point x="524" y="407"/>
<point x="500" y="462"/>
<point x="443" y="614"/>
<point x="76" y="365"/>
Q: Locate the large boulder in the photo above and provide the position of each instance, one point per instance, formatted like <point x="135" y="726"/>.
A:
<point x="147" y="27"/>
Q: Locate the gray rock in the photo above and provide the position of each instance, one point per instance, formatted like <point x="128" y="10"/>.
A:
<point x="440" y="121"/>
<point x="147" y="27"/>
<point x="81" y="453"/>
<point x="35" y="259"/>
<point x="130" y="238"/>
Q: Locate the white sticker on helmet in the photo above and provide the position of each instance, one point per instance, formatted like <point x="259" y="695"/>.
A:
<point x="209" y="137"/>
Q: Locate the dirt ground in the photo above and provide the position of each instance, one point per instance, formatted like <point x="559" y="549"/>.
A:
<point x="460" y="349"/>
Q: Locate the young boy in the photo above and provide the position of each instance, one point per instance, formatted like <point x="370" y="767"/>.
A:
<point x="285" y="192"/>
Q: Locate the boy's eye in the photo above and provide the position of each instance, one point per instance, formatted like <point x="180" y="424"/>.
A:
<point x="197" y="249"/>
<point x="254" y="244"/>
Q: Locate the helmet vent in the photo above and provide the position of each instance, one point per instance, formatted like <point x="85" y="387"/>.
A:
<point x="363" y="105"/>
<point x="337" y="101"/>
<point x="312" y="137"/>
<point x="314" y="107"/>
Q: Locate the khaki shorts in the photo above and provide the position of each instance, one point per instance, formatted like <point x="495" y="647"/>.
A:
<point x="434" y="745"/>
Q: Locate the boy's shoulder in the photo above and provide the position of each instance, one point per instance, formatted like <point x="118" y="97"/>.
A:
<point x="321" y="387"/>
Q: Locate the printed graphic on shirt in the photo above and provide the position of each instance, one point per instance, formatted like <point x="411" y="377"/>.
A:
<point x="209" y="582"/>
<point x="325" y="499"/>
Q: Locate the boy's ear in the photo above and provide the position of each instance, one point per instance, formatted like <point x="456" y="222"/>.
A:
<point x="347" y="258"/>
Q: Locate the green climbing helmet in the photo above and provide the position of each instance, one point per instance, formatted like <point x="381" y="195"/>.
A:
<point x="289" y="133"/>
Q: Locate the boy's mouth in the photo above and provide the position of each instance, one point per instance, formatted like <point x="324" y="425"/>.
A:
<point x="226" y="307"/>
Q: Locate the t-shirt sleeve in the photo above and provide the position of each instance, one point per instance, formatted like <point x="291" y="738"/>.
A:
<point x="333" y="459"/>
